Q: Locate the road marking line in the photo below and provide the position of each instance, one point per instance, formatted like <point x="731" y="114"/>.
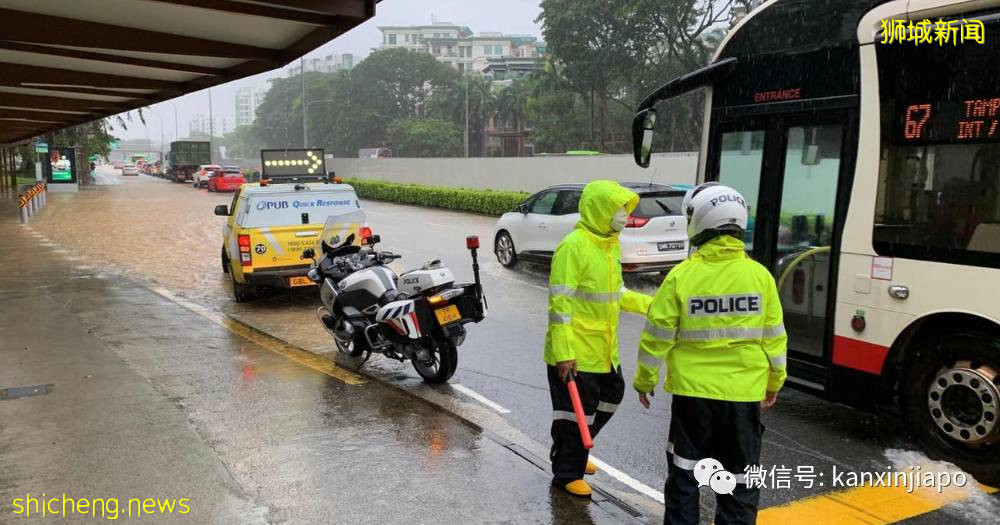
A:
<point x="869" y="505"/>
<point x="635" y="484"/>
<point x="479" y="397"/>
<point x="265" y="340"/>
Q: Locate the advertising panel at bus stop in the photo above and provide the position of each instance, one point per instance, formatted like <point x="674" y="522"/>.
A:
<point x="61" y="167"/>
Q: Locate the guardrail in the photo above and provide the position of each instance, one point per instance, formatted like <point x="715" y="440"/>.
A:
<point x="31" y="201"/>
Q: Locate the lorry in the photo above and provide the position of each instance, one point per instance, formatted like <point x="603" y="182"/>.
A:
<point x="185" y="157"/>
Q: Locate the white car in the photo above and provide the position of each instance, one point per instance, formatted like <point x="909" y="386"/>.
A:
<point x="204" y="173"/>
<point x="654" y="239"/>
<point x="129" y="169"/>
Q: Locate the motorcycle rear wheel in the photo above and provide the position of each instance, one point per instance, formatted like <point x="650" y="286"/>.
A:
<point x="442" y="364"/>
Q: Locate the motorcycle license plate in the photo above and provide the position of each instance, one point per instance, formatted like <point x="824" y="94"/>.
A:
<point x="448" y="314"/>
<point x="300" y="281"/>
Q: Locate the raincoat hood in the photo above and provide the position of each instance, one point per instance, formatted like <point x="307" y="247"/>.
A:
<point x="599" y="202"/>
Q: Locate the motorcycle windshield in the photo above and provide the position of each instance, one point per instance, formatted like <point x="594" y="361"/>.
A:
<point x="340" y="227"/>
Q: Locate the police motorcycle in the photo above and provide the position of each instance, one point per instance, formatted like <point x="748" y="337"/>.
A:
<point x="371" y="308"/>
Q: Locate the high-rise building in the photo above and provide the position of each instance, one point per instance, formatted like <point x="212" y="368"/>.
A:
<point x="459" y="48"/>
<point x="247" y="100"/>
<point x="217" y="127"/>
<point x="328" y="64"/>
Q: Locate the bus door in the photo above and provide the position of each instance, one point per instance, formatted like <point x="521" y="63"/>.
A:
<point x="788" y="167"/>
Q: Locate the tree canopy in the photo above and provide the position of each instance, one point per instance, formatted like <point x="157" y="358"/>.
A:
<point x="604" y="57"/>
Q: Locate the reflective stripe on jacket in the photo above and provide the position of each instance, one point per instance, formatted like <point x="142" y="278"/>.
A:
<point x="717" y="323"/>
<point x="586" y="293"/>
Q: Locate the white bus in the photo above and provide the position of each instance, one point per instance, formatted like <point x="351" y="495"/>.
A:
<point x="873" y="174"/>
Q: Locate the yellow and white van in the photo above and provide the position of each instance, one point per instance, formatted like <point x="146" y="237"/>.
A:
<point x="269" y="225"/>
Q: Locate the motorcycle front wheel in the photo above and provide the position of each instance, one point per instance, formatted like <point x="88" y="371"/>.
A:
<point x="441" y="363"/>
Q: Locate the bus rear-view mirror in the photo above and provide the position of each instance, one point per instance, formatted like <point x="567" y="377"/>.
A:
<point x="642" y="136"/>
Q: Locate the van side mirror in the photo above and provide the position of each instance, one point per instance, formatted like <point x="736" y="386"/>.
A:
<point x="522" y="208"/>
<point x="222" y="210"/>
<point x="642" y="136"/>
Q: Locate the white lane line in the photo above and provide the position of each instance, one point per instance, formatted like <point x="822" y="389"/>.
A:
<point x="479" y="397"/>
<point x="628" y="480"/>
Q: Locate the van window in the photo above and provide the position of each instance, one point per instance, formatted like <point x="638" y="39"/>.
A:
<point x="287" y="209"/>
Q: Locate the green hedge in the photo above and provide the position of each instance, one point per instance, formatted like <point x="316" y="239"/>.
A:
<point x="489" y="202"/>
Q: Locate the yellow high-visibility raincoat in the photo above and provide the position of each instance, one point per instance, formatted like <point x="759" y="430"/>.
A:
<point x="717" y="322"/>
<point x="586" y="293"/>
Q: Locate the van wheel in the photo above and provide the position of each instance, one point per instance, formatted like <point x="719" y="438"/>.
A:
<point x="441" y="361"/>
<point x="242" y="292"/>
<point x="951" y="399"/>
<point x="225" y="261"/>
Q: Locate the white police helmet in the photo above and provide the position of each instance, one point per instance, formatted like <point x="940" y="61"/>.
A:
<point x="711" y="208"/>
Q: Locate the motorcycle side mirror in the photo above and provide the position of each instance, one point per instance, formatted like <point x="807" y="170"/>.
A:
<point x="308" y="253"/>
<point x="373" y="240"/>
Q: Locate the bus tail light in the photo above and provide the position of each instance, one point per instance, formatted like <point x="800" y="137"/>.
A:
<point x="244" y="242"/>
<point x="636" y="222"/>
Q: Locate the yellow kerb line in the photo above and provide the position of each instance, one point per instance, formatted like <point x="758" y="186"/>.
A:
<point x="267" y="341"/>
<point x="868" y="505"/>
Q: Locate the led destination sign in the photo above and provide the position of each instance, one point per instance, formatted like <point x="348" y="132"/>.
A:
<point x="968" y="120"/>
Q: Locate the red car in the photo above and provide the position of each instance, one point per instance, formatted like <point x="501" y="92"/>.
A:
<point x="226" y="179"/>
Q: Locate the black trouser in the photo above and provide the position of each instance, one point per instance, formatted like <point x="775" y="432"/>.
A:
<point x="727" y="431"/>
<point x="600" y="394"/>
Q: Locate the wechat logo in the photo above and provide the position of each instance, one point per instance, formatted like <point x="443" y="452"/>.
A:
<point x="709" y="472"/>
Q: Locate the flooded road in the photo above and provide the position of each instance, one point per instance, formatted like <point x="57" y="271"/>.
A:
<point x="165" y="235"/>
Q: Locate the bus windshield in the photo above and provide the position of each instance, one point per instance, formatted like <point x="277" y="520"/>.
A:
<point x="939" y="187"/>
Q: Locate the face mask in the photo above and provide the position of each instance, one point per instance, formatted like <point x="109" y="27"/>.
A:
<point x="619" y="220"/>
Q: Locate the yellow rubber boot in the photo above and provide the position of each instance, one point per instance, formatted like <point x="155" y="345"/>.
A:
<point x="578" y="488"/>
<point x="591" y="468"/>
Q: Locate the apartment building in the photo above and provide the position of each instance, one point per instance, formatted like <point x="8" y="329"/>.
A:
<point x="458" y="47"/>
<point x="247" y="101"/>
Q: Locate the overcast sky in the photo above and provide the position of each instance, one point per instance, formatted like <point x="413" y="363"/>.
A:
<point x="506" y="16"/>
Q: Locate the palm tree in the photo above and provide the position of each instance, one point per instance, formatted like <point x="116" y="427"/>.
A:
<point x="512" y="104"/>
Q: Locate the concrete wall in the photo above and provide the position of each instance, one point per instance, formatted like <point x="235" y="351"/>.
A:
<point x="520" y="174"/>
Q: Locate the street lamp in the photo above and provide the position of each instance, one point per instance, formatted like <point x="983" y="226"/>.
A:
<point x="305" y="129"/>
<point x="176" y="135"/>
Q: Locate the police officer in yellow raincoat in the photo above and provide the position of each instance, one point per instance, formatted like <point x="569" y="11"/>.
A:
<point x="717" y="323"/>
<point x="586" y="296"/>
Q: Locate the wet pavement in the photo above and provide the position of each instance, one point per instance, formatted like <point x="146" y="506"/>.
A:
<point x="164" y="236"/>
<point x="138" y="396"/>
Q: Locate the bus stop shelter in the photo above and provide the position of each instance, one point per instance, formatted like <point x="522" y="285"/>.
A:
<point x="67" y="63"/>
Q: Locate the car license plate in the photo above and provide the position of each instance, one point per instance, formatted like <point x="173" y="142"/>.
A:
<point x="300" y="281"/>
<point x="671" y="246"/>
<point x="448" y="314"/>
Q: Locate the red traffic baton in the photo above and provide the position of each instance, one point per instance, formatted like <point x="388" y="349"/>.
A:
<point x="581" y="418"/>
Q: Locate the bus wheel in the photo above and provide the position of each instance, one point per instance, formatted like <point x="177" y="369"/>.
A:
<point x="952" y="401"/>
<point x="225" y="261"/>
